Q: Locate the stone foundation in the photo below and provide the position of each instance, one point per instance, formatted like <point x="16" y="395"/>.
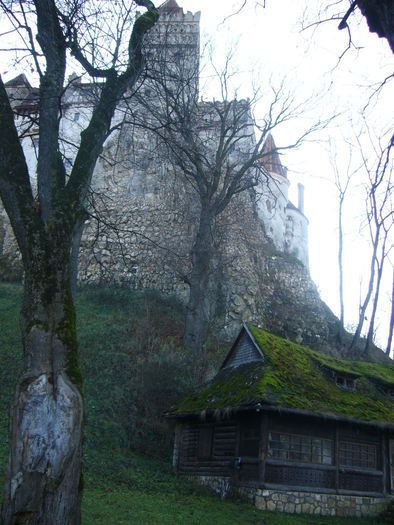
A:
<point x="297" y="502"/>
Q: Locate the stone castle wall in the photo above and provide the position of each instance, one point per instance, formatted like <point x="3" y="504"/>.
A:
<point x="142" y="218"/>
<point x="141" y="228"/>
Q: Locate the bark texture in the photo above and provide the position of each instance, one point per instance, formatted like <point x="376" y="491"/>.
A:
<point x="46" y="429"/>
<point x="202" y="254"/>
<point x="43" y="479"/>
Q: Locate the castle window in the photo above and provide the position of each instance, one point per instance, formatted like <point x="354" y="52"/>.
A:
<point x="178" y="56"/>
<point x="289" y="225"/>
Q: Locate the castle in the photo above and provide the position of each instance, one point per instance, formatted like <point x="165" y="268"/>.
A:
<point x="142" y="215"/>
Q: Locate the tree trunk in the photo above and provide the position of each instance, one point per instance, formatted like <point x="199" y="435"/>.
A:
<point x="340" y="267"/>
<point x="391" y="326"/>
<point x="364" y="306"/>
<point x="379" y="266"/>
<point x="43" y="475"/>
<point x="202" y="255"/>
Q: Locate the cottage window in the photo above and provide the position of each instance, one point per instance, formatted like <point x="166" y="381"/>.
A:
<point x="362" y="455"/>
<point x="306" y="449"/>
<point x="346" y="383"/>
<point x="390" y="393"/>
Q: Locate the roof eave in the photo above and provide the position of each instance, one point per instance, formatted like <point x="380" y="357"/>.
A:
<point x="264" y="407"/>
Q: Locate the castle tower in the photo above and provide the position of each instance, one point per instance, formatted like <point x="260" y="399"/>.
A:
<point x="285" y="224"/>
<point x="172" y="47"/>
<point x="296" y="229"/>
<point x="274" y="194"/>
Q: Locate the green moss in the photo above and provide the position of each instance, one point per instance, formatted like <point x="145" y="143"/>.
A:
<point x="231" y="388"/>
<point x="383" y="374"/>
<point x="295" y="377"/>
<point x="67" y="333"/>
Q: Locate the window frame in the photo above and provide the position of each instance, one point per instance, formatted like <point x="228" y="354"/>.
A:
<point x="312" y="450"/>
<point x="345" y="382"/>
<point x="365" y="459"/>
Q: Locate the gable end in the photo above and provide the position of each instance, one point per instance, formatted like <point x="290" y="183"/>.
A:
<point x="244" y="350"/>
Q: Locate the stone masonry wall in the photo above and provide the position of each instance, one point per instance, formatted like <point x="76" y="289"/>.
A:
<point x="140" y="233"/>
<point x="297" y="502"/>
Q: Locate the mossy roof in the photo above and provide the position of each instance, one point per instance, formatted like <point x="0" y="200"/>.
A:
<point x="297" y="378"/>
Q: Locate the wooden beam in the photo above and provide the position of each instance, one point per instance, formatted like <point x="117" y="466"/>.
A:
<point x="263" y="446"/>
<point x="384" y="461"/>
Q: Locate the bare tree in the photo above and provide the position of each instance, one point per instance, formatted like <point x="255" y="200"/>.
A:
<point x="342" y="188"/>
<point x="391" y="322"/>
<point x="218" y="148"/>
<point x="379" y="222"/>
<point x="43" y="478"/>
<point x="380" y="262"/>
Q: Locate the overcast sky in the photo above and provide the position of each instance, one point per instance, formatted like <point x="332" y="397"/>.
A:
<point x="270" y="44"/>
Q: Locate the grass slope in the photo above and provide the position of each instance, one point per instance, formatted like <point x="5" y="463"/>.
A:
<point x="131" y="360"/>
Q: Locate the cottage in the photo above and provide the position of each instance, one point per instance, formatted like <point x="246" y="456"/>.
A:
<point x="292" y="429"/>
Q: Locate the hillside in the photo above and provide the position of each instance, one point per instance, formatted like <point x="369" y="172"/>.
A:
<point x="134" y="369"/>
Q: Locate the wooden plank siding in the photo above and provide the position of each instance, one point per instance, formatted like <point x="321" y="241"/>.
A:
<point x="223" y="448"/>
<point x="345" y="458"/>
<point x="244" y="352"/>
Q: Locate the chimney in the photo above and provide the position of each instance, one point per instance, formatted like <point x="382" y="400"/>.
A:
<point x="301" y="197"/>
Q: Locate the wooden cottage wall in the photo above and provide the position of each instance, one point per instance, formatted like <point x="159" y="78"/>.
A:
<point x="368" y="477"/>
<point x="353" y="458"/>
<point x="208" y="448"/>
<point x="249" y="449"/>
<point x="283" y="467"/>
<point x="357" y="466"/>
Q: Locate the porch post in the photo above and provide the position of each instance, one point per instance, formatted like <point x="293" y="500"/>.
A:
<point x="263" y="446"/>
<point x="336" y="457"/>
